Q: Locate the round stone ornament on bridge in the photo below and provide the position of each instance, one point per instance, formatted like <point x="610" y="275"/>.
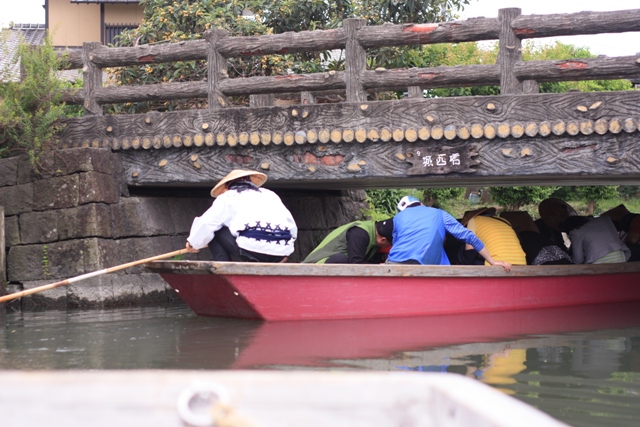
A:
<point x="517" y="130"/>
<point x="586" y="127"/>
<point x="232" y="139"/>
<point x="312" y="136"/>
<point x="463" y="132"/>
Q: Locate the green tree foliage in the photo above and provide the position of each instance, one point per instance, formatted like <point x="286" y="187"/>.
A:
<point x="511" y="198"/>
<point x="167" y="21"/>
<point x="303" y="15"/>
<point x="593" y="194"/>
<point x="415" y="11"/>
<point x="31" y="109"/>
<point x="628" y="191"/>
<point x="434" y="196"/>
<point x="300" y="15"/>
<point x="383" y="203"/>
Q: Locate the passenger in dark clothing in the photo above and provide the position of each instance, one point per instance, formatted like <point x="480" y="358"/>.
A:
<point x="538" y="247"/>
<point x="357" y="245"/>
<point x="452" y="247"/>
<point x="358" y="242"/>
<point x="552" y="212"/>
<point x="552" y="235"/>
<point x="541" y="250"/>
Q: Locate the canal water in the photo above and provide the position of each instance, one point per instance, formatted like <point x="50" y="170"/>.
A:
<point x="579" y="364"/>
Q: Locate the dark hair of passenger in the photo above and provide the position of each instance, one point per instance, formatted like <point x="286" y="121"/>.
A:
<point x="385" y="229"/>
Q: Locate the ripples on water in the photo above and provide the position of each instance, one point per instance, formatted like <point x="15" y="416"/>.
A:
<point x="579" y="364"/>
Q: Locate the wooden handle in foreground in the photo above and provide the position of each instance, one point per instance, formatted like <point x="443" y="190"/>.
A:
<point x="90" y="275"/>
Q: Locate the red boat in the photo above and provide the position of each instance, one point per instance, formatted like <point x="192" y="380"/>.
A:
<point x="277" y="292"/>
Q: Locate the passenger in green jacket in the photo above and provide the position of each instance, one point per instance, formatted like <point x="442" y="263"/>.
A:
<point x="354" y="243"/>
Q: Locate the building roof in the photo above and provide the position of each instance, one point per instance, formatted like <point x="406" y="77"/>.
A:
<point x="32" y="34"/>
<point x="10" y="38"/>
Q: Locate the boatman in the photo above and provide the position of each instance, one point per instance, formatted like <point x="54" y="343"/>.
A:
<point x="245" y="222"/>
<point x="419" y="232"/>
<point x="355" y="243"/>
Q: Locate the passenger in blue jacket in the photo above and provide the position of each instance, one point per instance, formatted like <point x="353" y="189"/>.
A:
<point x="419" y="232"/>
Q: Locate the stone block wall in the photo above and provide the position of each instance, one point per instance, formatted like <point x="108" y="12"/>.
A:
<point x="79" y="217"/>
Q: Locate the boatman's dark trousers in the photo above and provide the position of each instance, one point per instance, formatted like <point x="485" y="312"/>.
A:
<point x="223" y="247"/>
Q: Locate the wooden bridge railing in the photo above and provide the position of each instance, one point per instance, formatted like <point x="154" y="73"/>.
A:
<point x="511" y="73"/>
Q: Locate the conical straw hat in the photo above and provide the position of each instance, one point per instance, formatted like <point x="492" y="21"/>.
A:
<point x="469" y="215"/>
<point x="616" y="213"/>
<point x="554" y="211"/>
<point x="520" y="221"/>
<point x="258" y="178"/>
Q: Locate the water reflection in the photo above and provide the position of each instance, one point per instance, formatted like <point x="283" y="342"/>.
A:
<point x="580" y="364"/>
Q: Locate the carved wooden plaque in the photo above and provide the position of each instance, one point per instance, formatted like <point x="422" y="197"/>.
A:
<point x="440" y="160"/>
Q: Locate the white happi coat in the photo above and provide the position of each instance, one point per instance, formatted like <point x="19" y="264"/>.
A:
<point x="241" y="210"/>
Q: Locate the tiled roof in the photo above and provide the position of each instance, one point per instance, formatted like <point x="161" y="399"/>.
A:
<point x="10" y="38"/>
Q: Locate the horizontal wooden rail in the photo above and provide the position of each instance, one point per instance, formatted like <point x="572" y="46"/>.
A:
<point x="149" y="54"/>
<point x="157" y="92"/>
<point x="283" y="84"/>
<point x="474" y="29"/>
<point x="572" y="24"/>
<point x="428" y="78"/>
<point x="620" y="67"/>
<point x="378" y="80"/>
<point x="290" y="42"/>
<point x="71" y="59"/>
<point x="230" y="47"/>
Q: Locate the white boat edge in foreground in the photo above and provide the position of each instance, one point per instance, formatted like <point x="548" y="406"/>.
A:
<point x="259" y="399"/>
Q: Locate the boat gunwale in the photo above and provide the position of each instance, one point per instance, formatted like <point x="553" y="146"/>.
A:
<point x="385" y="270"/>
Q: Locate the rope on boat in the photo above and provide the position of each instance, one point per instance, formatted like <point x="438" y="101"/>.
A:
<point x="205" y="404"/>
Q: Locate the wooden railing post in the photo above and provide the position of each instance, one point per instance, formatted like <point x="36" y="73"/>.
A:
<point x="530" y="86"/>
<point x="261" y="100"/>
<point x="510" y="52"/>
<point x="216" y="69"/>
<point x="355" y="60"/>
<point x="415" y="92"/>
<point x="307" y="97"/>
<point x="92" y="78"/>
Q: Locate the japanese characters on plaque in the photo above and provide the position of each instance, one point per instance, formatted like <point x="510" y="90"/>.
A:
<point x="440" y="160"/>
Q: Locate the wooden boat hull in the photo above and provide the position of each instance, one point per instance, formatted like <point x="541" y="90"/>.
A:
<point x="279" y="292"/>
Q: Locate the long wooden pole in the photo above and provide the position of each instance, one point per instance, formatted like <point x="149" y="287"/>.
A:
<point x="89" y="275"/>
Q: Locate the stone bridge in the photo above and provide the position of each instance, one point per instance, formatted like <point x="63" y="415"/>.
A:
<point x="517" y="138"/>
<point x="125" y="195"/>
